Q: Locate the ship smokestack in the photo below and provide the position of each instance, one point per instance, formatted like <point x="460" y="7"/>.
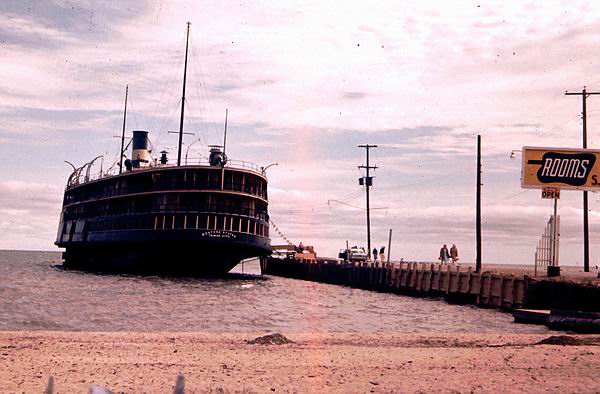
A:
<point x="140" y="155"/>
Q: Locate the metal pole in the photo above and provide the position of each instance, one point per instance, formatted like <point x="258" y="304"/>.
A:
<point x="123" y="134"/>
<point x="389" y="247"/>
<point x="586" y="239"/>
<point x="554" y="235"/>
<point x="478" y="208"/>
<point x="368" y="183"/>
<point x="586" y="234"/>
<point x="368" y="211"/>
<point x="347" y="252"/>
<point x="183" y="96"/>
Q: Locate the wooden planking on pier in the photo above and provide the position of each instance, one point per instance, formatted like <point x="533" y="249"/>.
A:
<point x="486" y="289"/>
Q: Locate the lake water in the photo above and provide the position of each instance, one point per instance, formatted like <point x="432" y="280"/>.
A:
<point x="37" y="294"/>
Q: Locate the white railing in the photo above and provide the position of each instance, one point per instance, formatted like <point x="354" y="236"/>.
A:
<point x="546" y="252"/>
<point x="83" y="175"/>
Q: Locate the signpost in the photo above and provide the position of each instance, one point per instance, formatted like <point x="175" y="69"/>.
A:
<point x="564" y="168"/>
<point x="554" y="169"/>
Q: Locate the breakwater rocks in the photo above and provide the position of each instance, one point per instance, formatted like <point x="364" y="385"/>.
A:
<point x="487" y="289"/>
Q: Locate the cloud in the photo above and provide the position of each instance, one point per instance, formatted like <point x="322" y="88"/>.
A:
<point x="28" y="215"/>
<point x="305" y="83"/>
<point x="354" y="95"/>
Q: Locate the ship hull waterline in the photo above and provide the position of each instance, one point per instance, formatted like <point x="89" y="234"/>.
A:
<point x="199" y="258"/>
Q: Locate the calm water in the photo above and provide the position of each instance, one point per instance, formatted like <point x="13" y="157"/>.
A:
<point x="36" y="294"/>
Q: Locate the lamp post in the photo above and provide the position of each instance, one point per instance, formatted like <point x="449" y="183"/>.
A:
<point x="188" y="149"/>
<point x="264" y="169"/>
<point x="71" y="164"/>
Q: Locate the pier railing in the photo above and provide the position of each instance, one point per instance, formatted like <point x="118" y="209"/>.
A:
<point x="452" y="282"/>
<point x="412" y="278"/>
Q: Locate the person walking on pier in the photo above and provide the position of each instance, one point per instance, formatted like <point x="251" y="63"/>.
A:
<point x="375" y="254"/>
<point x="444" y="255"/>
<point x="382" y="254"/>
<point x="454" y="253"/>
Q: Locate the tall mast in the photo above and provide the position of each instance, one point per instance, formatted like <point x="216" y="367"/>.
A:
<point x="225" y="132"/>
<point x="183" y="96"/>
<point x="123" y="134"/>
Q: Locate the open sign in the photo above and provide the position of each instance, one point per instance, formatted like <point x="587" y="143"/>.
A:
<point x="551" y="193"/>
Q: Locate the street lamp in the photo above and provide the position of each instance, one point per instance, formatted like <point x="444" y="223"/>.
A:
<point x="71" y="164"/>
<point x="264" y="169"/>
<point x="513" y="153"/>
<point x="188" y="149"/>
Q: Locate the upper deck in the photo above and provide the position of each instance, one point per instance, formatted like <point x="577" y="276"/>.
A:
<point x="83" y="174"/>
<point x="236" y="177"/>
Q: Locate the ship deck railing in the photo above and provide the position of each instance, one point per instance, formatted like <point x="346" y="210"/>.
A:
<point x="83" y="174"/>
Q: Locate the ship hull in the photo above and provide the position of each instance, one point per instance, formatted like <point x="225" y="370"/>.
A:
<point x="194" y="258"/>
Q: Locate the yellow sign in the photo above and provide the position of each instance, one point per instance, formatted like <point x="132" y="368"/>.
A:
<point x="551" y="193"/>
<point x="564" y="168"/>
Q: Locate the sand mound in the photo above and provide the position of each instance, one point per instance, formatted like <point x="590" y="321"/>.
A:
<point x="270" y="339"/>
<point x="563" y="340"/>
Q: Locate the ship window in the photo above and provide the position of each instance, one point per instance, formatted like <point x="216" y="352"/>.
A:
<point x="200" y="180"/>
<point x="225" y="223"/>
<point x="191" y="221"/>
<point x="179" y="221"/>
<point x="214" y="179"/>
<point x="211" y="222"/>
<point x="221" y="223"/>
<point x="200" y="221"/>
<point x="253" y="227"/>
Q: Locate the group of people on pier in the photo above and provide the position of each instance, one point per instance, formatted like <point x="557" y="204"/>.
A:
<point x="381" y="254"/>
<point x="446" y="256"/>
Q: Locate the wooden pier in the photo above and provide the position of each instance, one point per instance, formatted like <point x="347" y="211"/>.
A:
<point x="455" y="285"/>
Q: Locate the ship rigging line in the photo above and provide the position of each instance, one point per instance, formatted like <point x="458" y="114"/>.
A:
<point x="279" y="232"/>
<point x="202" y="93"/>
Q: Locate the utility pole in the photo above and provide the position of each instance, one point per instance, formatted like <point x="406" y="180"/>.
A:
<point x="586" y="237"/>
<point x="368" y="182"/>
<point x="478" y="208"/>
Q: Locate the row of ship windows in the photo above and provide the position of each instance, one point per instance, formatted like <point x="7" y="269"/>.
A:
<point x="175" y="222"/>
<point x="251" y="185"/>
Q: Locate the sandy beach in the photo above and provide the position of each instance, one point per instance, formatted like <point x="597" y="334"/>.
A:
<point x="332" y="362"/>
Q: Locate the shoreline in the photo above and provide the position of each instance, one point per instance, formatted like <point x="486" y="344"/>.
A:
<point x="324" y="362"/>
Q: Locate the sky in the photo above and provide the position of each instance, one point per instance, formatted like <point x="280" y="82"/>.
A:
<point x="305" y="83"/>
